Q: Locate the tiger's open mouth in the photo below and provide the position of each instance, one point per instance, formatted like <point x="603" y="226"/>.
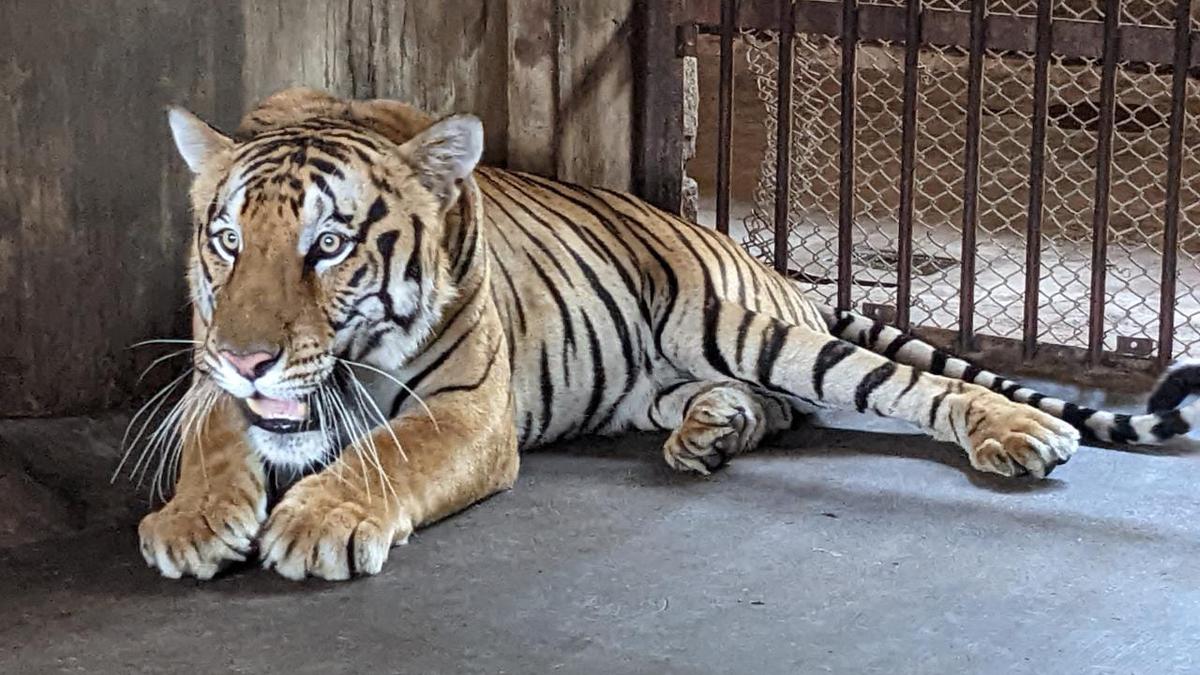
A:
<point x="276" y="415"/>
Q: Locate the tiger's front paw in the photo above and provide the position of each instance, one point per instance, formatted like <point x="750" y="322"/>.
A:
<point x="198" y="535"/>
<point x="1013" y="439"/>
<point x="321" y="528"/>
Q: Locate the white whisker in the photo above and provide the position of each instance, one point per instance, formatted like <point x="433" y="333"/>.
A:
<point x="191" y="429"/>
<point x="160" y="398"/>
<point x="385" y="481"/>
<point x="353" y="436"/>
<point x="402" y="385"/>
<point x="319" y="402"/>
<point x="167" y="432"/>
<point x="168" y="439"/>
<point x="159" y="360"/>
<point x="143" y="343"/>
<point x="383" y="421"/>
<point x="154" y="443"/>
<point x="325" y="417"/>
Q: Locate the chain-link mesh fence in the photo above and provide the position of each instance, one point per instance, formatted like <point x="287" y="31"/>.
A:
<point x="1137" y="196"/>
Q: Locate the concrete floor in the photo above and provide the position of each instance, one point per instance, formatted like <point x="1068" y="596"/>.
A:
<point x="848" y="552"/>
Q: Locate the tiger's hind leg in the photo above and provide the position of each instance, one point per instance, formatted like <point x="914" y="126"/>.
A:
<point x="715" y="420"/>
<point x="809" y="365"/>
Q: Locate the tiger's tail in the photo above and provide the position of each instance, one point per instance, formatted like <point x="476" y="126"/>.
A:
<point x="1164" y="420"/>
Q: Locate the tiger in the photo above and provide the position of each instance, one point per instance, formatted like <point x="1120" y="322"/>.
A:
<point x="391" y="323"/>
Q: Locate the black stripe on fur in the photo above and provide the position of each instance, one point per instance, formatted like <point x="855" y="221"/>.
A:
<point x="1177" y="385"/>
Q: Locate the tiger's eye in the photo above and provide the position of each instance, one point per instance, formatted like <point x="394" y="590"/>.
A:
<point x="229" y="240"/>
<point x="329" y="243"/>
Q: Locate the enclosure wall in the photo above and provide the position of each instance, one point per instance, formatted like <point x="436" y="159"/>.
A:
<point x="93" y="216"/>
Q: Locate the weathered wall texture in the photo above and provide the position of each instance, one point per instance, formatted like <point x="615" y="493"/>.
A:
<point x="92" y="200"/>
<point x="551" y="79"/>
<point x="93" y="215"/>
<point x="445" y="56"/>
<point x="570" y="89"/>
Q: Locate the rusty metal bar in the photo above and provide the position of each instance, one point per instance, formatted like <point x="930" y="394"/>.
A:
<point x="1166" y="306"/>
<point x="658" y="92"/>
<point x="908" y="145"/>
<point x="725" y="113"/>
<point x="966" y="295"/>
<point x="849" y="37"/>
<point x="1104" y="136"/>
<point x="1073" y="38"/>
<point x="783" y="132"/>
<point x="1037" y="177"/>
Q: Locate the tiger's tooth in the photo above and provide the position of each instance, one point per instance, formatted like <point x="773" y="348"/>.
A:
<point x="254" y="406"/>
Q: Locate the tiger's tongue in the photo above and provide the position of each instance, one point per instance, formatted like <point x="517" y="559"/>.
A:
<point x="274" y="408"/>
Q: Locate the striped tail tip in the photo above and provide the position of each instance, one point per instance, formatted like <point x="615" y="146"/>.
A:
<point x="1167" y="418"/>
<point x="1181" y="380"/>
<point x="1152" y="428"/>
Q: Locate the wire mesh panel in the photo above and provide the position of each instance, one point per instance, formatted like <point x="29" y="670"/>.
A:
<point x="1137" y="201"/>
<point x="1003" y="192"/>
<point x="938" y="177"/>
<point x="813" y="198"/>
<point x="877" y="166"/>
<point x="1070" y="189"/>
<point x="1134" y="198"/>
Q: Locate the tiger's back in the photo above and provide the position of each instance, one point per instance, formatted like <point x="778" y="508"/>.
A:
<point x="586" y="280"/>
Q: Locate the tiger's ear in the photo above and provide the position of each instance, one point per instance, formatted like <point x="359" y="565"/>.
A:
<point x="445" y="154"/>
<point x="198" y="143"/>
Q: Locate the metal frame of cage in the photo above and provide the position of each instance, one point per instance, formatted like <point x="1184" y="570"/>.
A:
<point x="916" y="26"/>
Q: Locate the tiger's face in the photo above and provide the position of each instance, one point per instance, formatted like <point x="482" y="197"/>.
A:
<point x="314" y="245"/>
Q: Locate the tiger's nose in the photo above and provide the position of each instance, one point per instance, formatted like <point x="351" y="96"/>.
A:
<point x="252" y="365"/>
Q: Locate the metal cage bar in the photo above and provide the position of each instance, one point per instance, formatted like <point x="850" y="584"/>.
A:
<point x="725" y="113"/>
<point x="1037" y="179"/>
<point x="1170" y="259"/>
<point x="970" y="212"/>
<point x="846" y="166"/>
<point x="1100" y="205"/>
<point x="1072" y="38"/>
<point x="783" y="132"/>
<point x="908" y="151"/>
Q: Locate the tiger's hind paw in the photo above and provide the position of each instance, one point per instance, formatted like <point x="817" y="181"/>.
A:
<point x="1014" y="439"/>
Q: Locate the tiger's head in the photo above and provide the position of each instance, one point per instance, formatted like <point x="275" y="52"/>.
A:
<point x="318" y="237"/>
